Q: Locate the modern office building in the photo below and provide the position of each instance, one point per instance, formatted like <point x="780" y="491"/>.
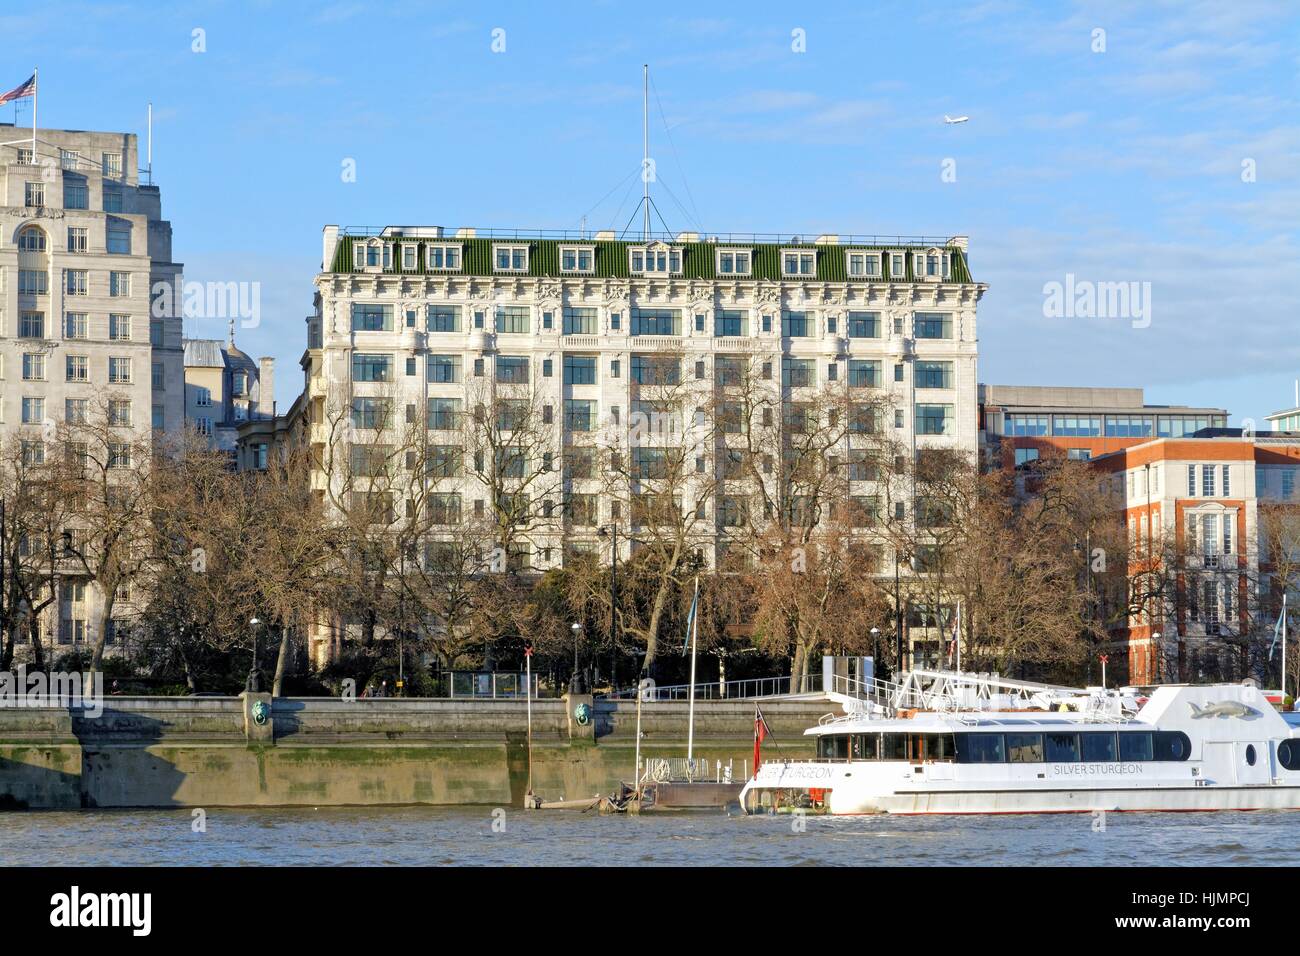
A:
<point x="1197" y="506"/>
<point x="224" y="388"/>
<point x="1021" y="423"/>
<point x="82" y="245"/>
<point x="585" y="329"/>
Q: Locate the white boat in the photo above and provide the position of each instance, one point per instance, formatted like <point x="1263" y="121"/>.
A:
<point x="952" y="743"/>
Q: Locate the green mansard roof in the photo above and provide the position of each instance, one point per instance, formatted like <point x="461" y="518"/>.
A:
<point x="611" y="258"/>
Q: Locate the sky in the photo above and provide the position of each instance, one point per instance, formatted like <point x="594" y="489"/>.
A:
<point x="1154" y="143"/>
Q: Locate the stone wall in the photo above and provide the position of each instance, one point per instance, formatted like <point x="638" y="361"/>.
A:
<point x="210" y="752"/>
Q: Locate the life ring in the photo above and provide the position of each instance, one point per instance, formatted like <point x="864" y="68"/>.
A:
<point x="582" y="714"/>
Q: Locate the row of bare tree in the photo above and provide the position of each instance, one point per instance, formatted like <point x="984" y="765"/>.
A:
<point x="457" y="528"/>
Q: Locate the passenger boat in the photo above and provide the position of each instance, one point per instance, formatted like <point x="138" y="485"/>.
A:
<point x="944" y="743"/>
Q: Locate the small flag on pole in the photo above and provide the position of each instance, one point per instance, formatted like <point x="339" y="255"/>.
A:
<point x="690" y="618"/>
<point x="1278" y="633"/>
<point x="761" y="733"/>
<point x="20" y="91"/>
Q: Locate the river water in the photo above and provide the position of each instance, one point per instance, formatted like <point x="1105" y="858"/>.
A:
<point x="484" y="836"/>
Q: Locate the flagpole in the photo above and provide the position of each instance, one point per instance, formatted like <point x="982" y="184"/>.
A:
<point x="957" y="637"/>
<point x="36" y="86"/>
<point x="1284" y="647"/>
<point x="690" y="718"/>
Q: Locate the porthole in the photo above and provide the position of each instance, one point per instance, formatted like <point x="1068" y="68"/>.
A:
<point x="1288" y="754"/>
<point x="1250" y="755"/>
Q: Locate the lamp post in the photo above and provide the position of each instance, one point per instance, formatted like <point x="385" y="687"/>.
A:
<point x="575" y="682"/>
<point x="875" y="644"/>
<point x="1155" y="646"/>
<point x="251" y="685"/>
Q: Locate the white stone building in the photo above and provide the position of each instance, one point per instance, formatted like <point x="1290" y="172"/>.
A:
<point x="426" y="318"/>
<point x="82" y="244"/>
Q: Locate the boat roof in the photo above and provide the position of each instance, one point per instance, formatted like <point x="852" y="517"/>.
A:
<point x="938" y="723"/>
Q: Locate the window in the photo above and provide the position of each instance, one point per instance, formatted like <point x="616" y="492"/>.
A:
<point x="898" y="371"/>
<point x="1207" y="481"/>
<point x="119" y="455"/>
<point x="1076" y="426"/>
<point x="156" y="380"/>
<point x="579" y="415"/>
<point x="796" y="262"/>
<point x="373" y="414"/>
<point x="76" y="281"/>
<point x="733" y="262"/>
<point x="981" y="748"/>
<point x="443" y="318"/>
<point x="68" y="159"/>
<point x="796" y="372"/>
<point x="510" y="258"/>
<point x="580" y="259"/>
<point x="119" y="239"/>
<point x="75" y="196"/>
<point x="32" y="239"/>
<point x="1061" y="748"/>
<point x="371" y="368"/>
<point x="795" y="325"/>
<point x="78" y="369"/>
<point x="74" y="410"/>
<point x="33" y="367"/>
<point x="444" y="369"/>
<point x="76" y="239"/>
<point x="74" y="325"/>
<point x="443" y="257"/>
<point x="119" y="328"/>
<point x="1022" y="425"/>
<point x="202" y="397"/>
<point x="119" y="371"/>
<point x="933" y="325"/>
<point x="31" y="325"/>
<point x="863" y="265"/>
<point x="579" y="370"/>
<point x="728" y="370"/>
<point x="731" y="322"/>
<point x="444" y="414"/>
<point x="864" y="419"/>
<point x="512" y="369"/>
<point x="655" y="259"/>
<point x="112" y="199"/>
<point x="864" y="325"/>
<point x="933" y="374"/>
<point x="512" y="319"/>
<point x="1025" y="455"/>
<point x="1098" y="747"/>
<point x="34" y="195"/>
<point x="33" y="410"/>
<point x="119" y="284"/>
<point x="445" y="461"/>
<point x="1079" y="454"/>
<point x="119" y="412"/>
<point x="111" y="164"/>
<point x="934" y="419"/>
<point x="1226" y="483"/>
<point x="656" y="322"/>
<point x="579" y="321"/>
<point x="368" y="317"/>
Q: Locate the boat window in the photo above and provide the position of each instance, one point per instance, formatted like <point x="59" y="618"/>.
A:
<point x="1135" y="747"/>
<point x="1171" y="745"/>
<point x="940" y="747"/>
<point x="1062" y="748"/>
<point x="1098" y="747"/>
<point x="1025" y="748"/>
<point x="1288" y="754"/>
<point x="893" y="746"/>
<point x="865" y="746"/>
<point x="833" y="746"/>
<point x="980" y="748"/>
<point x="1250" y="755"/>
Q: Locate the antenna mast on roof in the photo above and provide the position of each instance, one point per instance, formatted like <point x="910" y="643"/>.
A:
<point x="645" y="151"/>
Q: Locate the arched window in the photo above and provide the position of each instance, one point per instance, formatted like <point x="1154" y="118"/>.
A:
<point x="31" y="239"/>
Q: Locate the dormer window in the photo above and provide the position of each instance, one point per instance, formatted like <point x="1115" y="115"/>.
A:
<point x="410" y="257"/>
<point x="370" y="255"/>
<point x="797" y="263"/>
<point x="655" y="259"/>
<point x="577" y="259"/>
<point x="733" y="262"/>
<point x="442" y="258"/>
<point x="510" y="258"/>
<point x="863" y="265"/>
<point x="897" y="267"/>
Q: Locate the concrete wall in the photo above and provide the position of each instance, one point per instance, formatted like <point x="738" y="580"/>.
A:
<point x="207" y="752"/>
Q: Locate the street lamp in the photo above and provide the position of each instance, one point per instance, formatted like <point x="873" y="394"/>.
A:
<point x="575" y="682"/>
<point x="875" y="642"/>
<point x="252" y="684"/>
<point x="1155" y="645"/>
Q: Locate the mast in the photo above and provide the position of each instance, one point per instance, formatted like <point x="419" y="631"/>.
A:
<point x="690" y="711"/>
<point x="645" y="152"/>
<point x="149" y="157"/>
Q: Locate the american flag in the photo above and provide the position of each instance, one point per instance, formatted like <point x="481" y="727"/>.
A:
<point x="19" y="91"/>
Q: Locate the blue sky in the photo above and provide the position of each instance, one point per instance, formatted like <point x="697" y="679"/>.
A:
<point x="1122" y="165"/>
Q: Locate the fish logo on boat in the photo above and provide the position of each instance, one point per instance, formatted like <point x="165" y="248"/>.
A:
<point x="1226" y="708"/>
